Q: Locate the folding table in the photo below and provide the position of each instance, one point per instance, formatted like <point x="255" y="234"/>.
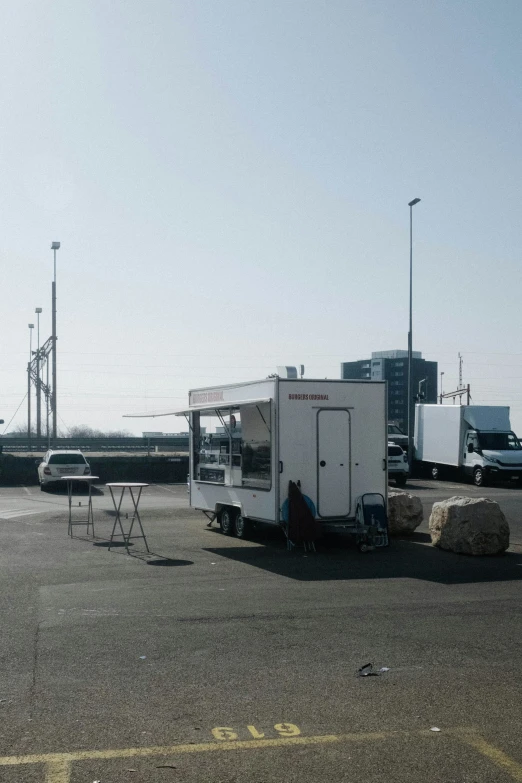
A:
<point x="89" y="522"/>
<point x="123" y="485"/>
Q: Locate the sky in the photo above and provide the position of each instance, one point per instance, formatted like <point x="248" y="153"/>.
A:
<point x="230" y="184"/>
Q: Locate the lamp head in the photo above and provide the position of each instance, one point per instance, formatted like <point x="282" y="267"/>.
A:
<point x="38" y="310"/>
<point x="412" y="203"/>
<point x="55" y="246"/>
<point x="31" y="326"/>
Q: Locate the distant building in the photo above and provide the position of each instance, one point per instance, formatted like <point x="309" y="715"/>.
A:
<point x="166" y="434"/>
<point x="392" y="366"/>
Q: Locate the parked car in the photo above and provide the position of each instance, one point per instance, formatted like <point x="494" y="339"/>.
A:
<point x="396" y="435"/>
<point x="56" y="464"/>
<point x="398" y="467"/>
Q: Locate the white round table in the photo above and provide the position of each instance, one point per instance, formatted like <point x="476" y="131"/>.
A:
<point x="131" y="486"/>
<point x="89" y="522"/>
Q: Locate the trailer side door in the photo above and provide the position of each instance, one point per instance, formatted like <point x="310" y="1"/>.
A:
<point x="333" y="463"/>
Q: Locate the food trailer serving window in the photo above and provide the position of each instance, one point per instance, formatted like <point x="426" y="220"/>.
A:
<point x="256" y="446"/>
<point x="232" y="444"/>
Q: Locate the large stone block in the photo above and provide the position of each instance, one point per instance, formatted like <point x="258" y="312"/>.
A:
<point x="404" y="513"/>
<point x="471" y="526"/>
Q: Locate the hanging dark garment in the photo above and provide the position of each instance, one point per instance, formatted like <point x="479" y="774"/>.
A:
<point x="302" y="526"/>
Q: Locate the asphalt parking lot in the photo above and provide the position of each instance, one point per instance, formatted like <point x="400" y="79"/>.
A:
<point x="223" y="660"/>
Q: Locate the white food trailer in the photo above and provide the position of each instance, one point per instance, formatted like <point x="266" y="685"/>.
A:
<point x="248" y="440"/>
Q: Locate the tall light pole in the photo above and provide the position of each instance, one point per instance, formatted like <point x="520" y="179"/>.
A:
<point x="441" y="392"/>
<point x="38" y="385"/>
<point x="31" y="327"/>
<point x="54" y="247"/>
<point x="411" y="413"/>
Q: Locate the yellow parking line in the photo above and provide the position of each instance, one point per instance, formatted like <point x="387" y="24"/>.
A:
<point x="497" y="756"/>
<point x="58" y="765"/>
<point x="203" y="747"/>
<point x="58" y="771"/>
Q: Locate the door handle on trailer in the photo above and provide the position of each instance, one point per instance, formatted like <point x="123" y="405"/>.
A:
<point x="280" y="465"/>
<point x="384" y="464"/>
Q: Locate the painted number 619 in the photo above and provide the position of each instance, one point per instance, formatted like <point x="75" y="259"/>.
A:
<point x="226" y="734"/>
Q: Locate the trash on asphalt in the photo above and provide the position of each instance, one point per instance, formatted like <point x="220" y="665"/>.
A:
<point x="367" y="671"/>
<point x="166" y="766"/>
<point x="142" y="657"/>
<point x="434" y="728"/>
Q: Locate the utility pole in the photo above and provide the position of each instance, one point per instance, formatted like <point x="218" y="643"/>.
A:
<point x="460" y="370"/>
<point x="47" y="401"/>
<point x="411" y="413"/>
<point x="31" y="327"/>
<point x="38" y="381"/>
<point x="54" y="247"/>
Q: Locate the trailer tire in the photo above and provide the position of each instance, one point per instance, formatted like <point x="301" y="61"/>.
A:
<point x="400" y="481"/>
<point x="226" y="521"/>
<point x="242" y="526"/>
<point x="479" y="477"/>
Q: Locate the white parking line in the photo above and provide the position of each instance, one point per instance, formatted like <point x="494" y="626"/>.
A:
<point x="26" y="489"/>
<point x="161" y="486"/>
<point x="12" y="514"/>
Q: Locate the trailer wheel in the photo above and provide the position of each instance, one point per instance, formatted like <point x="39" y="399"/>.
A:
<point x="400" y="481"/>
<point x="241" y="526"/>
<point x="435" y="472"/>
<point x="226" y="520"/>
<point x="479" y="477"/>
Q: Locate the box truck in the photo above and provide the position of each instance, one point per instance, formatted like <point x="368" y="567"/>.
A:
<point x="475" y="440"/>
<point x="248" y="440"/>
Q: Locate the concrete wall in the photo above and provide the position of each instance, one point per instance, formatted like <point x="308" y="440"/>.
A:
<point x="16" y="469"/>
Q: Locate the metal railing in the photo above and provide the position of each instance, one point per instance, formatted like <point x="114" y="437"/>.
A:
<point x="23" y="443"/>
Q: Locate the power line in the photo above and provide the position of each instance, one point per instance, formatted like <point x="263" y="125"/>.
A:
<point x="14" y="414"/>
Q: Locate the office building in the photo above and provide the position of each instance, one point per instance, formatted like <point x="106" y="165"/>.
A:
<point x="392" y="366"/>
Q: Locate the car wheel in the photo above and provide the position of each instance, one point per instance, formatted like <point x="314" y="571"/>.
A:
<point x="435" y="473"/>
<point x="400" y="481"/>
<point x="226" y="520"/>
<point x="479" y="477"/>
<point x="241" y="526"/>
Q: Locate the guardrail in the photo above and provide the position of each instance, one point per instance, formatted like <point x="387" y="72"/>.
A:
<point x="23" y="443"/>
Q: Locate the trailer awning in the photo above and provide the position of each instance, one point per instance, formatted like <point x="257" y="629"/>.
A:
<point x="207" y="408"/>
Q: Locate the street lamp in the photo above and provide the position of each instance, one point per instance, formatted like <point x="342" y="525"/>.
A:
<point x="411" y="204"/>
<point x="38" y="386"/>
<point x="441" y="392"/>
<point x="31" y="327"/>
<point x="54" y="247"/>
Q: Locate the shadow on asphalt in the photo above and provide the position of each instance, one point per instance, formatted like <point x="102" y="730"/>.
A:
<point x="411" y="488"/>
<point x="79" y="489"/>
<point x="167" y="562"/>
<point x="403" y="559"/>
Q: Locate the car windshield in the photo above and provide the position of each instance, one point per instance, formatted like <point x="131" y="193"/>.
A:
<point x="499" y="441"/>
<point x="394" y="430"/>
<point x="66" y="459"/>
<point x="395" y="451"/>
